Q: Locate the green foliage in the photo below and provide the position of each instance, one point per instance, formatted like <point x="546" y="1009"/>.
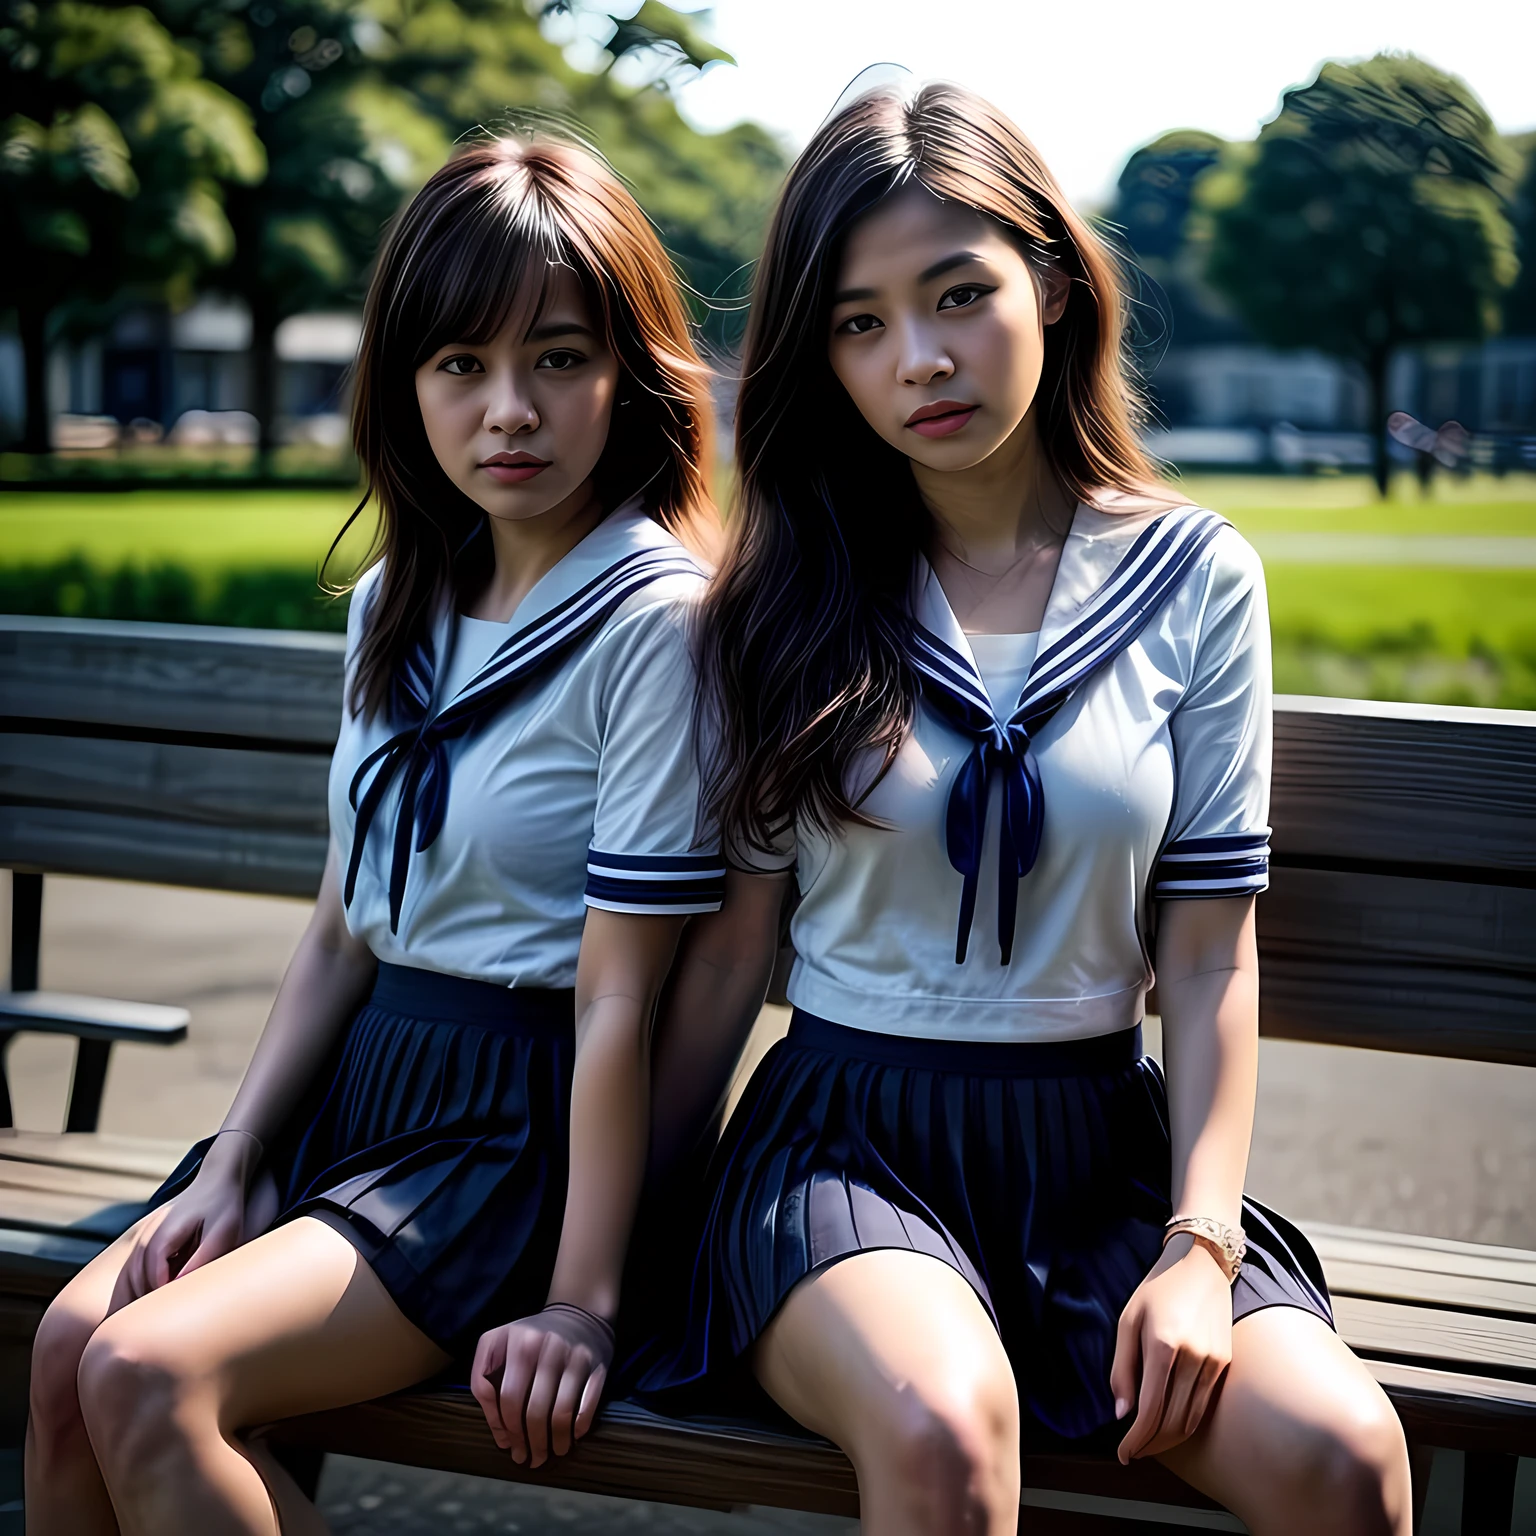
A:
<point x="477" y="64"/>
<point x="1369" y="214"/>
<point x="1520" y="301"/>
<point x="1151" y="217"/>
<point x="167" y="593"/>
<point x="116" y="156"/>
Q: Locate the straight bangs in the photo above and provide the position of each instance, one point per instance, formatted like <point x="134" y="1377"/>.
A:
<point x="475" y="250"/>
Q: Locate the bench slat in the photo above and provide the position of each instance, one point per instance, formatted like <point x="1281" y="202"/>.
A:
<point x="1395" y="963"/>
<point x="250" y="683"/>
<point x="1392" y="1266"/>
<point x="108" y="1152"/>
<point x="709" y="1464"/>
<point x="1486" y="1346"/>
<point x="1404" y="783"/>
<point x="115" y="847"/>
<point x="215" y="786"/>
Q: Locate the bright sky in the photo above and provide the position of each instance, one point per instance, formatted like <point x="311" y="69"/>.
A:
<point x="1089" y="80"/>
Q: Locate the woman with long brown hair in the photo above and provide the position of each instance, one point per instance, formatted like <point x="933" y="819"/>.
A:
<point x="435" y="1154"/>
<point x="1002" y="701"/>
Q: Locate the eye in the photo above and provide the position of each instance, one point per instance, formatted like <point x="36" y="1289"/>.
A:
<point x="460" y="364"/>
<point x="858" y="325"/>
<point x="963" y="296"/>
<point x="561" y="360"/>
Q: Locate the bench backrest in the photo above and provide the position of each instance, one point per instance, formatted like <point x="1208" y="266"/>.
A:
<point x="1401" y="914"/>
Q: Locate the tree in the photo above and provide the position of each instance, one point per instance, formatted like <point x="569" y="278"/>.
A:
<point x="485" y="63"/>
<point x="344" y="147"/>
<point x="114" y="165"/>
<point x="1151" y="214"/>
<point x="1368" y="215"/>
<point x="1520" y="301"/>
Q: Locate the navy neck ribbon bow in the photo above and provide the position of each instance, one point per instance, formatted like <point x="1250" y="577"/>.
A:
<point x="1115" y="615"/>
<point x="418" y="752"/>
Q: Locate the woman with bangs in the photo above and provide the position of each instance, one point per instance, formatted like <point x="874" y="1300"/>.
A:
<point x="436" y="1151"/>
<point x="1001" y="701"/>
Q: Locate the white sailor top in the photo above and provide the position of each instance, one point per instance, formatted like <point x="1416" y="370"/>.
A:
<point x="1132" y="767"/>
<point x="546" y="766"/>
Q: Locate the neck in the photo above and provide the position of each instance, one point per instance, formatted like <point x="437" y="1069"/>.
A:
<point x="992" y="512"/>
<point x="527" y="549"/>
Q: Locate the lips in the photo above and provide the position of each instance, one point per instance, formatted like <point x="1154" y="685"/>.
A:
<point x="513" y="468"/>
<point x="941" y="417"/>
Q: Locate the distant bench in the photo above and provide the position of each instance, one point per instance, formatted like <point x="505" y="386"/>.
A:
<point x="1401" y="916"/>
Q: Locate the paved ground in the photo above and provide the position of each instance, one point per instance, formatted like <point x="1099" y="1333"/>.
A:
<point x="1442" y="1147"/>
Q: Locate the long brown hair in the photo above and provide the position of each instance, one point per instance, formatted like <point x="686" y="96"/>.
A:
<point x="804" y="635"/>
<point x="503" y="212"/>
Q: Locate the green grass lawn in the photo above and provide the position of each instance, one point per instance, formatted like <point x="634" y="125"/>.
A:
<point x="202" y="531"/>
<point x="1442" y="634"/>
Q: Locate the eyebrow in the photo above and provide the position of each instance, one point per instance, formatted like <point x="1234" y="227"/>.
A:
<point x="927" y="275"/>
<point x="555" y="328"/>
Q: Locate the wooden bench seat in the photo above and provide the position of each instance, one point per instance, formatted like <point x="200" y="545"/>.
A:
<point x="1401" y="916"/>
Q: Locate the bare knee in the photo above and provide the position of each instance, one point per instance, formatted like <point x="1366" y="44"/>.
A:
<point x="132" y="1394"/>
<point x="949" y="1454"/>
<point x="1351" y="1471"/>
<point x="53" y="1398"/>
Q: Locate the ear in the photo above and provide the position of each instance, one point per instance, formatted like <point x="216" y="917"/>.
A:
<point x="1055" y="290"/>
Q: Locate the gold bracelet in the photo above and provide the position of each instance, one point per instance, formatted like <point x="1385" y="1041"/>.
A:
<point x="1226" y="1245"/>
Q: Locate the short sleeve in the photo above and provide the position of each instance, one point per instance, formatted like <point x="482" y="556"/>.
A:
<point x="1218" y="834"/>
<point x="357" y="614"/>
<point x="646" y="856"/>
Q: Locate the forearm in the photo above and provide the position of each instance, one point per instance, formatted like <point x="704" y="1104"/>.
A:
<point x="328" y="977"/>
<point x="708" y="1013"/>
<point x="1208" y="986"/>
<point x="610" y="1120"/>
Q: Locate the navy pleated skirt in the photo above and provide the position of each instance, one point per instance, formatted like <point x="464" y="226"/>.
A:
<point x="1040" y="1172"/>
<point x="436" y="1140"/>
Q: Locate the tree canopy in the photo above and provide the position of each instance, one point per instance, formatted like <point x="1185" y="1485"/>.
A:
<point x="258" y="147"/>
<point x="1369" y="214"/>
<point x="115" y="162"/>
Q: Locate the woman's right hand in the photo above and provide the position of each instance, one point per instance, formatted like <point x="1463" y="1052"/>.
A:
<point x="204" y="1222"/>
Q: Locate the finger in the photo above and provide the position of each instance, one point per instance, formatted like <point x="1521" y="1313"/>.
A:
<point x="490" y="1356"/>
<point x="213" y="1244"/>
<point x="523" y="1350"/>
<point x="1204" y="1394"/>
<point x="1157" y="1362"/>
<point x="572" y="1390"/>
<point x="1125" y="1373"/>
<point x="591" y="1398"/>
<point x="1179" y="1393"/>
<point x="553" y="1360"/>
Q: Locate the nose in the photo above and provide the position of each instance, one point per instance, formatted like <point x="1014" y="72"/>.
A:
<point x="923" y="359"/>
<point x="509" y="407"/>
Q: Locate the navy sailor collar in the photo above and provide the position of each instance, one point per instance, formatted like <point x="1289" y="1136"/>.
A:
<point x="1116" y="571"/>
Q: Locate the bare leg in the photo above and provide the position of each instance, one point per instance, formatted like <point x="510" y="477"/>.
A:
<point x="292" y="1322"/>
<point x="65" y="1495"/>
<point x="1300" y="1437"/>
<point x="891" y="1355"/>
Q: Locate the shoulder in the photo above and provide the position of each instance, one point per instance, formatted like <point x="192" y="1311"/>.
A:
<point x="363" y="592"/>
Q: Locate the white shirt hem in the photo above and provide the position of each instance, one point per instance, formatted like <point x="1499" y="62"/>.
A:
<point x="919" y="1017"/>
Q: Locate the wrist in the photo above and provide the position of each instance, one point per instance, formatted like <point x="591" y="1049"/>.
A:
<point x="232" y="1156"/>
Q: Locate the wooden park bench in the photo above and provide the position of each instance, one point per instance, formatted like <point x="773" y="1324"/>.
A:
<point x="1401" y="917"/>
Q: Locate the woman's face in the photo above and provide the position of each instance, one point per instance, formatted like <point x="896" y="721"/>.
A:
<point x="519" y="422"/>
<point x="937" y="329"/>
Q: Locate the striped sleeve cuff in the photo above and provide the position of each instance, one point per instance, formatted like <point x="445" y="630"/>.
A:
<point x="1233" y="864"/>
<point x="674" y="883"/>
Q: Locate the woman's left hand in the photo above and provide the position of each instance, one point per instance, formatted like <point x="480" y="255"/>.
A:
<point x="1173" y="1345"/>
<point x="539" y="1380"/>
